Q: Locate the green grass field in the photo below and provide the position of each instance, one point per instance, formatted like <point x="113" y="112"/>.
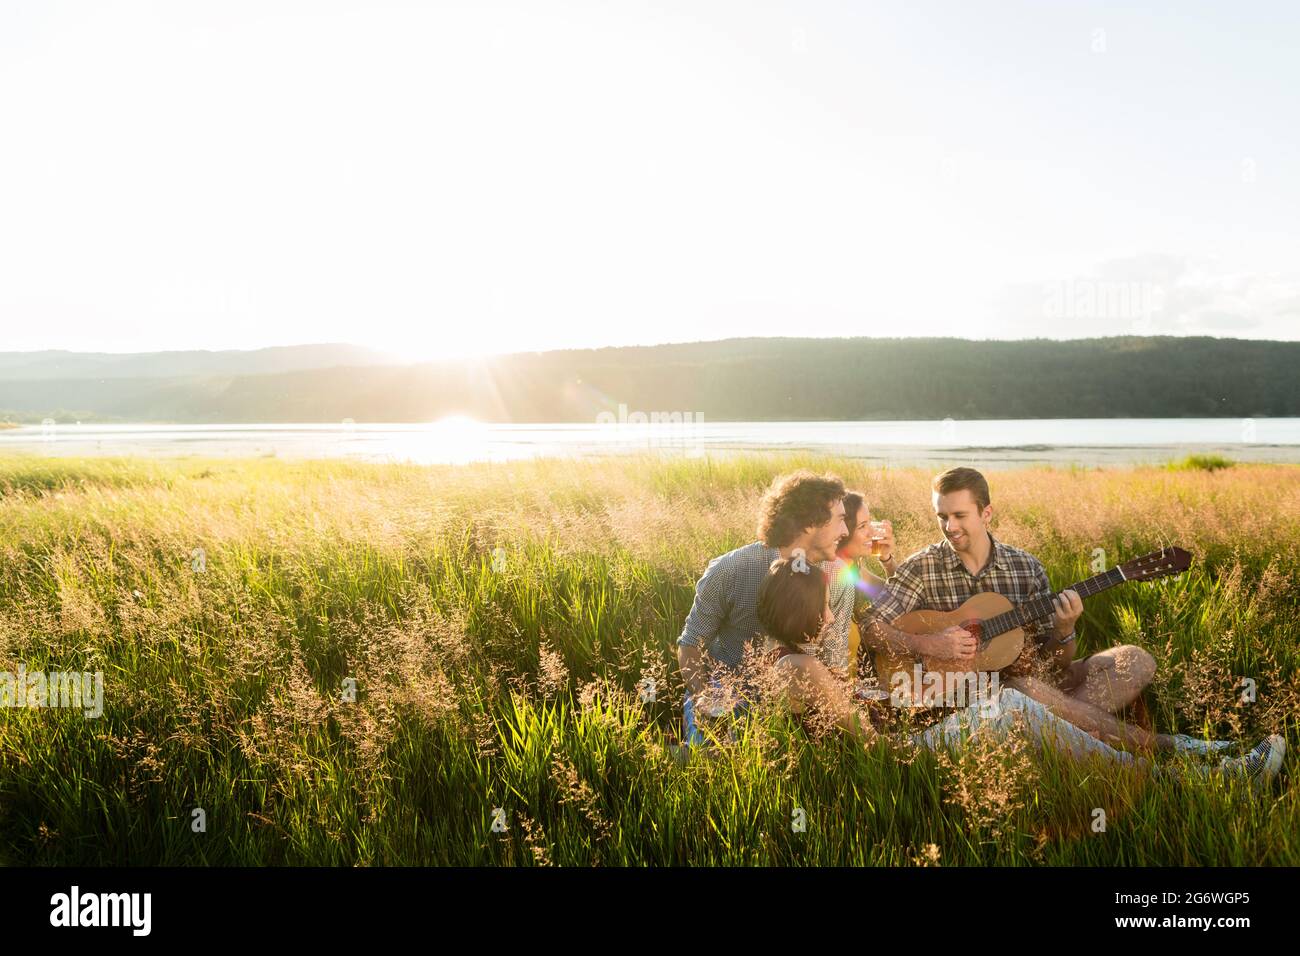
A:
<point x="498" y="621"/>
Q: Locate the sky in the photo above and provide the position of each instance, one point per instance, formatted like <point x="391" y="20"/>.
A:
<point x="446" y="179"/>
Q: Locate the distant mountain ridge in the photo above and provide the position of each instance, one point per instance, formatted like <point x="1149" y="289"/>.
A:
<point x="762" y="379"/>
<point x="54" y="364"/>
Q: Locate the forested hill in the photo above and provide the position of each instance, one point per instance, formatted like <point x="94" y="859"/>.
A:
<point x="736" y="380"/>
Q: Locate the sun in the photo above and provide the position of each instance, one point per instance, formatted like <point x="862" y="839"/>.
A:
<point x="456" y="423"/>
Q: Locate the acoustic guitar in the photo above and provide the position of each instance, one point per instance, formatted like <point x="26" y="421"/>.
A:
<point x="999" y="626"/>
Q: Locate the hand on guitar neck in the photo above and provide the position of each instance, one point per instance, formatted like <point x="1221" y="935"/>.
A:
<point x="1068" y="608"/>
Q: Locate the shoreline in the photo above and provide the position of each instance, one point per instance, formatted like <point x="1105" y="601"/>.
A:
<point x="888" y="456"/>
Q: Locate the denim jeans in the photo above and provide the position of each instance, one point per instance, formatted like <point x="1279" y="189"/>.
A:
<point x="692" y="736"/>
<point x="1000" y="712"/>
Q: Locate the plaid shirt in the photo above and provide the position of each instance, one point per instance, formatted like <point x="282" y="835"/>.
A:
<point x="724" y="615"/>
<point x="935" y="579"/>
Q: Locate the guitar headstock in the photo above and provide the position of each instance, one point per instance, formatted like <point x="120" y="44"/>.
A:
<point x="1157" y="564"/>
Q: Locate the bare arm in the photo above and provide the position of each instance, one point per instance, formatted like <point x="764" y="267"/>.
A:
<point x="955" y="643"/>
<point x="1060" y="653"/>
<point x="694" y="671"/>
<point x="904" y="592"/>
<point x="810" y="685"/>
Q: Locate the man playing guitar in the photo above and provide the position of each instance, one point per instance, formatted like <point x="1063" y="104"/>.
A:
<point x="1087" y="692"/>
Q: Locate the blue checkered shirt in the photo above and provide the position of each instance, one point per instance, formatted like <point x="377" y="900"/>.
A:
<point x="724" y="616"/>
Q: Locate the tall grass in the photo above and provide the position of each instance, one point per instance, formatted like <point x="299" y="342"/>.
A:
<point x="499" y="621"/>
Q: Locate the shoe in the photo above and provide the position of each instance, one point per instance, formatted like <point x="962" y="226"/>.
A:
<point x="1260" y="765"/>
<point x="1195" y="745"/>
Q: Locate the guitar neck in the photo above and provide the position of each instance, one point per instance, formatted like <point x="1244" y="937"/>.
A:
<point x="1041" y="607"/>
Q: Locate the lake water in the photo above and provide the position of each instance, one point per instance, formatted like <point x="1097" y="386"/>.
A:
<point x="1024" y="442"/>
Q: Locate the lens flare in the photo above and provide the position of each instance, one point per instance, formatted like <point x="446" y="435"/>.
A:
<point x="851" y="575"/>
